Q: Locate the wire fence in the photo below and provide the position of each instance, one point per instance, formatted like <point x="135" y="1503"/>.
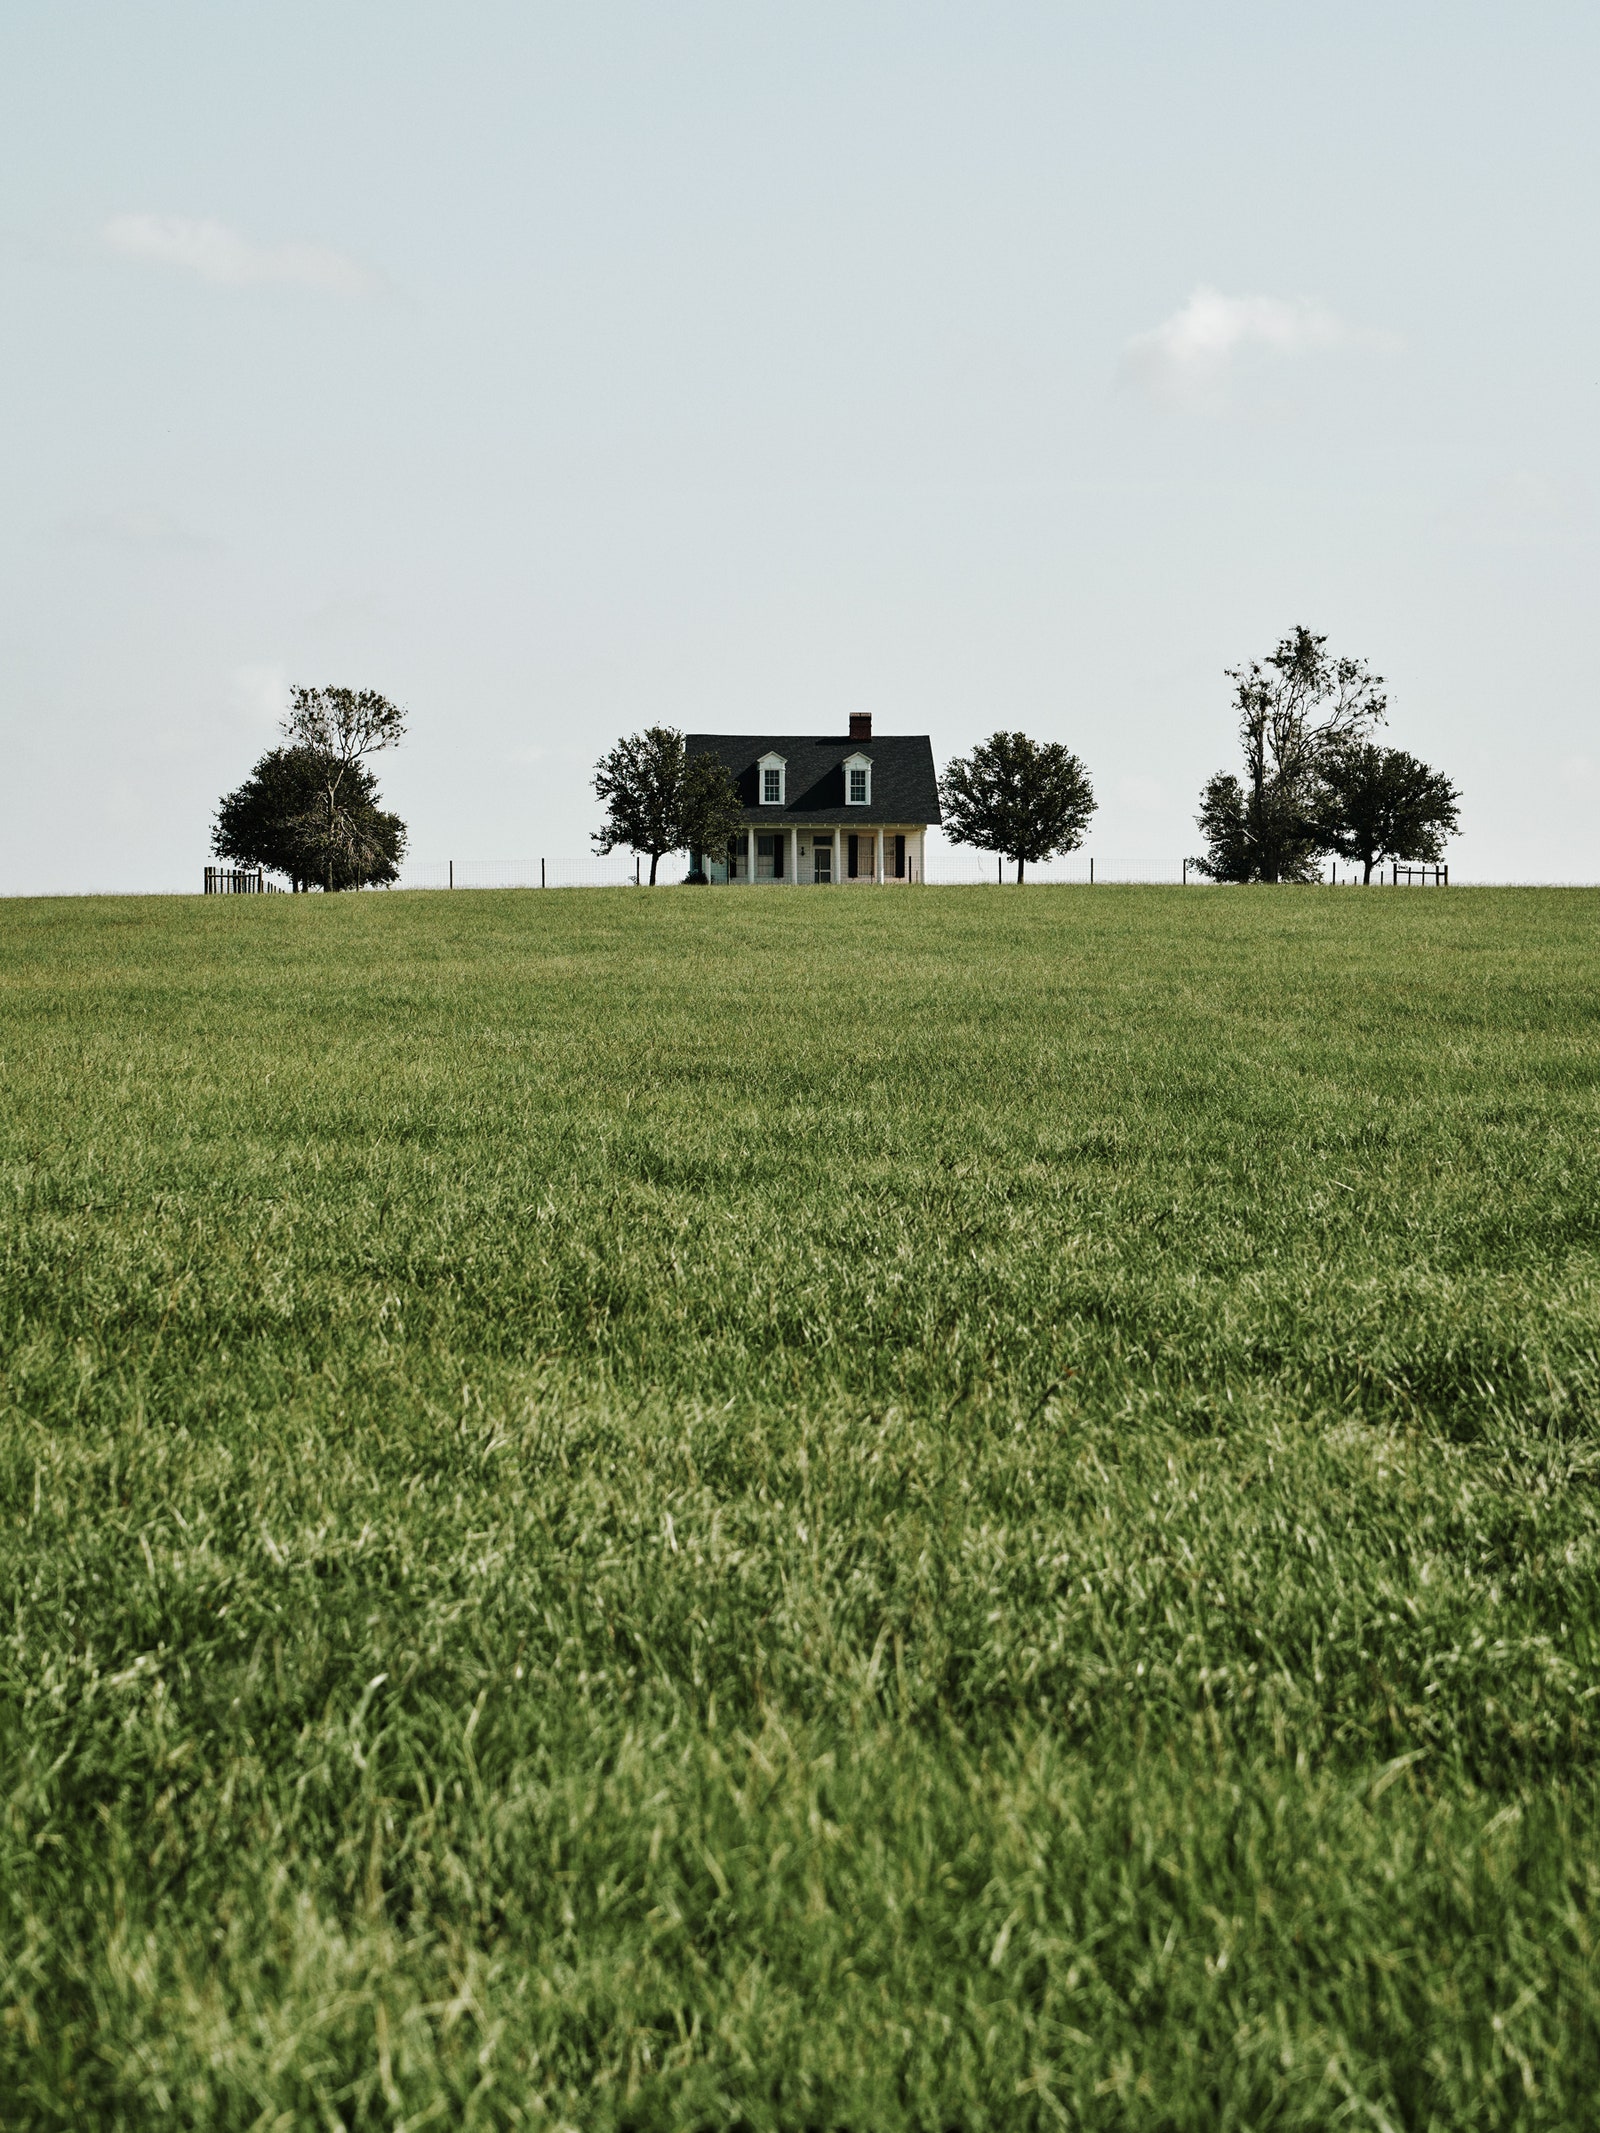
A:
<point x="942" y="869"/>
<point x="953" y="870"/>
<point x="973" y="870"/>
<point x="939" y="869"/>
<point x="617" y="872"/>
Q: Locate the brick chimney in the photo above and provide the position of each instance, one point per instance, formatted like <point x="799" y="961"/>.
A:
<point x="861" y="725"/>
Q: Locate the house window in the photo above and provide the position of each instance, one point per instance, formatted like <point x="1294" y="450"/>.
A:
<point x="858" y="788"/>
<point x="772" y="788"/>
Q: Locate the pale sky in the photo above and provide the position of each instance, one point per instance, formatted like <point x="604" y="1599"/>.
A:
<point x="561" y="370"/>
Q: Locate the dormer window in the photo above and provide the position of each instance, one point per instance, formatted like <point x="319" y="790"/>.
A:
<point x="858" y="781"/>
<point x="770" y="772"/>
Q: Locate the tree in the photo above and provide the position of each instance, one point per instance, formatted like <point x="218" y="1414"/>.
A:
<point x="345" y="725"/>
<point x="1025" y="799"/>
<point x="348" y="844"/>
<point x="265" y="823"/>
<point x="255" y="826"/>
<point x="339" y="729"/>
<point x="1230" y="853"/>
<point x="641" y="783"/>
<point x="1297" y="709"/>
<point x="1270" y="834"/>
<point x="709" y="809"/>
<point x="1380" y="803"/>
<point x="660" y="799"/>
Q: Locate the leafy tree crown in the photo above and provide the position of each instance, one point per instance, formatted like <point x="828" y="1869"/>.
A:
<point x="281" y="817"/>
<point x="343" y="725"/>
<point x="1027" y="800"/>
<point x="1381" y="803"/>
<point x="710" y="810"/>
<point x="640" y="783"/>
<point x="1296" y="709"/>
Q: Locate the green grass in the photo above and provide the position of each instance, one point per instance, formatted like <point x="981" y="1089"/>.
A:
<point x="942" y="1509"/>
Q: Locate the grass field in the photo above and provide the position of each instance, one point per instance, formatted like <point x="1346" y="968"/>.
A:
<point x="955" y="1508"/>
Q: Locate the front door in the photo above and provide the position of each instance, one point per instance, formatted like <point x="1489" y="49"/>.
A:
<point x="822" y="858"/>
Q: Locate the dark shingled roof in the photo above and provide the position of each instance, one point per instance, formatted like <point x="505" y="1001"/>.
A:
<point x="904" y="787"/>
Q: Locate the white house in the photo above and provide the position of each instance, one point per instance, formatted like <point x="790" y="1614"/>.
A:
<point x="824" y="810"/>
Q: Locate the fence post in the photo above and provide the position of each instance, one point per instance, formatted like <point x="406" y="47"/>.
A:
<point x="452" y="874"/>
<point x="1091" y="873"/>
<point x="1186" y="873"/>
<point x="541" y="873"/>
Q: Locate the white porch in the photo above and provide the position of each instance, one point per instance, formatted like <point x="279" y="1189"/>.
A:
<point x="814" y="857"/>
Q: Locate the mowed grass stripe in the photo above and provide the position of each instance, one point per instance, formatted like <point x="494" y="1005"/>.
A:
<point x="939" y="1508"/>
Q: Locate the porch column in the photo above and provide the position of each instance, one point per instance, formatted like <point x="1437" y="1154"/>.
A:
<point x="794" y="857"/>
<point x="837" y="869"/>
<point x="878" y="839"/>
<point x="750" y="856"/>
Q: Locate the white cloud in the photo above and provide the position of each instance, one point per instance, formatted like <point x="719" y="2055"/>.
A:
<point x="1190" y="354"/>
<point x="229" y="260"/>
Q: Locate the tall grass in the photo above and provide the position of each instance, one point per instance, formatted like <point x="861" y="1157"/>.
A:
<point x="901" y="1510"/>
